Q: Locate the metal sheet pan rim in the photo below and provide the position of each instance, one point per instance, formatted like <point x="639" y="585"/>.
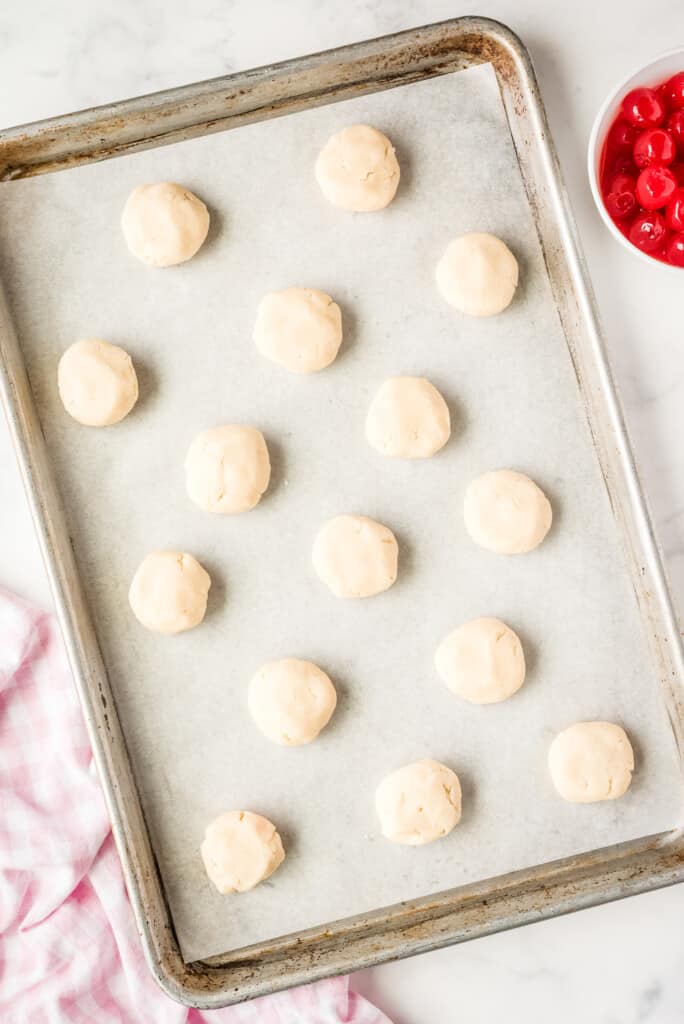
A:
<point x="550" y="889"/>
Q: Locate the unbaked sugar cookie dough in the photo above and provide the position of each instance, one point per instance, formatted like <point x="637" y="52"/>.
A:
<point x="291" y="701"/>
<point x="408" y="419"/>
<point x="357" y="169"/>
<point x="355" y="556"/>
<point x="169" y="592"/>
<point x="227" y="469"/>
<point x="299" y="328"/>
<point x="482" y="661"/>
<point x="506" y="512"/>
<point x="97" y="382"/>
<point x="241" y="849"/>
<point x="418" y="803"/>
<point x="164" y="223"/>
<point x="477" y="275"/>
<point x="591" y="761"/>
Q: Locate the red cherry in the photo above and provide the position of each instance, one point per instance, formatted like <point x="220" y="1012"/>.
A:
<point x="622" y="183"/>
<point x="655" y="187"/>
<point x="620" y="200"/>
<point x="673" y="91"/>
<point x="643" y="108"/>
<point x="654" y="146"/>
<point x="620" y="204"/>
<point x="677" y="169"/>
<point x="648" y="232"/>
<point x="620" y="164"/>
<point x="675" y="250"/>
<point x="675" y="126"/>
<point x="622" y="136"/>
<point x="674" y="215"/>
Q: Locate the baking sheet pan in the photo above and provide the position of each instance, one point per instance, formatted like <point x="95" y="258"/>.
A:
<point x="513" y="395"/>
<point x="66" y="231"/>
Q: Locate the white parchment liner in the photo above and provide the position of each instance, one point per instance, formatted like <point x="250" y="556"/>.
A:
<point x="514" y="403"/>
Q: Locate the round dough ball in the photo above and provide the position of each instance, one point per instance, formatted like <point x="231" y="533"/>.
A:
<point x="291" y="701"/>
<point x="241" y="849"/>
<point x="591" y="761"/>
<point x="299" y="328"/>
<point x="418" y="803"/>
<point x="355" y="556"/>
<point x="169" y="592"/>
<point x="164" y="224"/>
<point x="478" y="275"/>
<point x="408" y="419"/>
<point x="357" y="169"/>
<point x="482" y="661"/>
<point x="227" y="469"/>
<point x="506" y="512"/>
<point x="97" y="382"/>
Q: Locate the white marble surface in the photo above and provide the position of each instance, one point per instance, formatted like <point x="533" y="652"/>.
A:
<point x="618" y="964"/>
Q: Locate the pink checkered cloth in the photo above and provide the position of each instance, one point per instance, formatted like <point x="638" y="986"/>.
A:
<point x="69" y="950"/>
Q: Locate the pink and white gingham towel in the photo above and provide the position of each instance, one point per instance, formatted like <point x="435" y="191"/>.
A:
<point x="69" y="951"/>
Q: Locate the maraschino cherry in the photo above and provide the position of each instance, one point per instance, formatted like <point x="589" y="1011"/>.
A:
<point x="675" y="126"/>
<point x="654" y="146"/>
<point x="674" y="214"/>
<point x="643" y="108"/>
<point x="622" y="136"/>
<point x="655" y="187"/>
<point x="648" y="232"/>
<point x="621" y="199"/>
<point x="675" y="250"/>
<point x="673" y="91"/>
<point x="642" y="169"/>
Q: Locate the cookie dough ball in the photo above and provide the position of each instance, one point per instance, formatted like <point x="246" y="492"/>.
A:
<point x="97" y="382"/>
<point x="164" y="224"/>
<point x="357" y="169"/>
<point x="291" y="701"/>
<point x="227" y="469"/>
<point x="408" y="419"/>
<point x="241" y="849"/>
<point x="482" y="661"/>
<point x="591" y="761"/>
<point x="355" y="556"/>
<point x="506" y="512"/>
<point x="169" y="592"/>
<point x="418" y="803"/>
<point x="478" y="275"/>
<point x="299" y="328"/>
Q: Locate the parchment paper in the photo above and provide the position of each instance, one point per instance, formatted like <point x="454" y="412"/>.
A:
<point x="514" y="402"/>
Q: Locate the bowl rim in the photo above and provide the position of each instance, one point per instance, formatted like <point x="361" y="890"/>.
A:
<point x="593" y="154"/>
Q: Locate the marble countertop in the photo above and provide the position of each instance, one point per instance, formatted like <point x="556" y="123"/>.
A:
<point x="619" y="964"/>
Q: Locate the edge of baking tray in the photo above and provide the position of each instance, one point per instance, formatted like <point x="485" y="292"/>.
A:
<point x="448" y="917"/>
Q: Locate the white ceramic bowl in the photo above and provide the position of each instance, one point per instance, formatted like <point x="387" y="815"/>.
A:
<point x="653" y="73"/>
